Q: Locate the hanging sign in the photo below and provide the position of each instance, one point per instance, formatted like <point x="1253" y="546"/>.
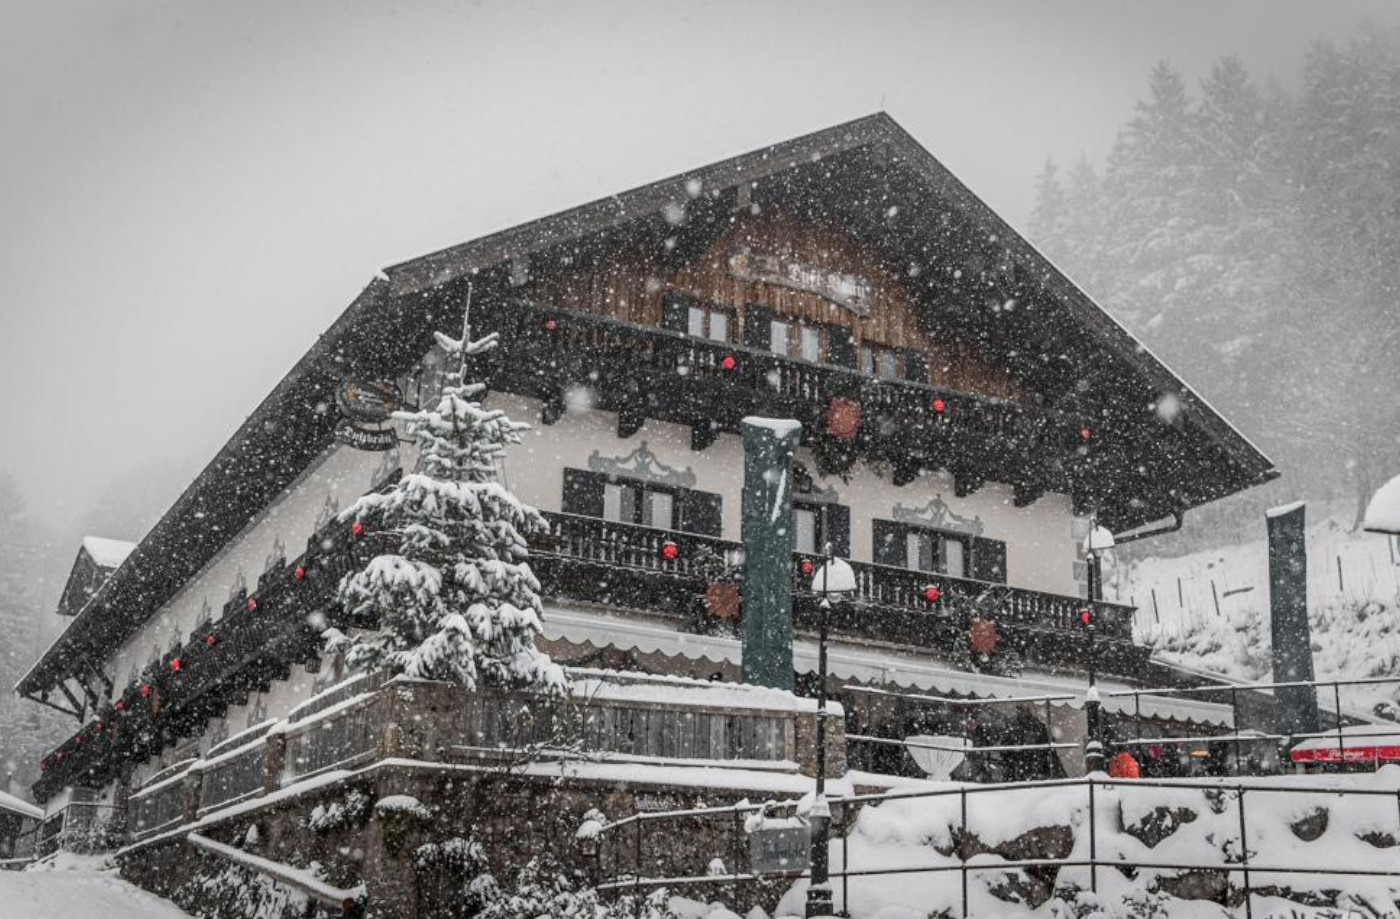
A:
<point x="780" y="847"/>
<point x="368" y="401"/>
<point x="848" y="291"/>
<point x="372" y="439"/>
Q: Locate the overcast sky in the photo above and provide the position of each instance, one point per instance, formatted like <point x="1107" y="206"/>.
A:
<point x="191" y="191"/>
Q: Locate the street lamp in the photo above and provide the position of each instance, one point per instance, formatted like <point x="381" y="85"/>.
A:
<point x="1098" y="541"/>
<point x="834" y="577"/>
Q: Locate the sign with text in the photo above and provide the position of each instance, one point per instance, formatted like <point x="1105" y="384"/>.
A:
<point x="367" y="439"/>
<point x="845" y="290"/>
<point x="780" y="847"/>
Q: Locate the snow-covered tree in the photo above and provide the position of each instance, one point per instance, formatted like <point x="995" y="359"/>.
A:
<point x="457" y="601"/>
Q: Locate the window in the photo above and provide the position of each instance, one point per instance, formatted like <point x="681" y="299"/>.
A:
<point x="957" y="555"/>
<point x="881" y="363"/>
<point x="632" y="502"/>
<point x="811" y="343"/>
<point x="691" y="317"/>
<point x="929" y="550"/>
<point x="816" y="523"/>
<point x="780" y="337"/>
<point x="707" y="322"/>
<point x="637" y="501"/>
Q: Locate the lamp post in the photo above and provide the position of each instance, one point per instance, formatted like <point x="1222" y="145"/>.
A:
<point x="834" y="577"/>
<point x="1096" y="542"/>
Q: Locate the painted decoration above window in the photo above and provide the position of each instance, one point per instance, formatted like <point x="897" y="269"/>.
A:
<point x="848" y="291"/>
<point x="641" y="463"/>
<point x="937" y="515"/>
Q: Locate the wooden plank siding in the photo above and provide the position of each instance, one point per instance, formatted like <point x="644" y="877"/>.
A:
<point x="625" y="285"/>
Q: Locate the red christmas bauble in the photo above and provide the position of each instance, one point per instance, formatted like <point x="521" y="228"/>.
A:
<point x="806" y="567"/>
<point x="119" y="705"/>
<point x="1085" y="617"/>
<point x="211" y="641"/>
<point x="1085" y="434"/>
<point x="932" y="594"/>
<point x="357" y="528"/>
<point x="175" y="665"/>
<point x="79" y="741"/>
<point x="939" y="406"/>
<point x="299" y="573"/>
<point x="551" y="325"/>
<point x="145" y="691"/>
<point x="669" y="551"/>
<point x="729" y="363"/>
<point x="252" y="604"/>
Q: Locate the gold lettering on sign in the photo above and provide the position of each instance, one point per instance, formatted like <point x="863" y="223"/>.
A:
<point x="847" y="291"/>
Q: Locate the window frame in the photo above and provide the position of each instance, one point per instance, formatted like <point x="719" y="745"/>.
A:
<point x="708" y="312"/>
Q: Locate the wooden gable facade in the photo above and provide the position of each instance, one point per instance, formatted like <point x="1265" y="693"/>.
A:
<point x="623" y="284"/>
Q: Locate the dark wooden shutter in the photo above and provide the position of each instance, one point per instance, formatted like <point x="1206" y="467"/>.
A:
<point x="915" y="367"/>
<point x="838" y="529"/>
<point x="700" y="512"/>
<point x="583" y="492"/>
<point x="675" y="314"/>
<point x="989" y="560"/>
<point x="841" y="348"/>
<point x="889" y="538"/>
<point x="758" y="327"/>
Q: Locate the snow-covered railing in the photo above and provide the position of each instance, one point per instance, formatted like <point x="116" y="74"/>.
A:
<point x="341" y="735"/>
<point x="299" y="879"/>
<point x="159" y="805"/>
<point x="233" y="775"/>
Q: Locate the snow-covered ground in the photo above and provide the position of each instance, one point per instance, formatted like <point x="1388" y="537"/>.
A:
<point x="1300" y="846"/>
<point x="1210" y="609"/>
<point x="75" y="887"/>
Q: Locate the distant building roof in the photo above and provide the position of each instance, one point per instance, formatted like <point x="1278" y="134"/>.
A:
<point x="108" y="553"/>
<point x="1383" y="513"/>
<point x="20" y="806"/>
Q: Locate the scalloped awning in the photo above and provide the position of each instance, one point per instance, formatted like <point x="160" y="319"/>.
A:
<point x="867" y="664"/>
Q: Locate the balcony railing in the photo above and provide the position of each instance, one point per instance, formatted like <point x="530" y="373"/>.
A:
<point x="642" y="371"/>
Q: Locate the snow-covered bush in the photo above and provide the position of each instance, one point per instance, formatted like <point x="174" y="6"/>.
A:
<point x="350" y="811"/>
<point x="457" y="601"/>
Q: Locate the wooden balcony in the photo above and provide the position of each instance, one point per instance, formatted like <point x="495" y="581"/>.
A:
<point x="263" y="634"/>
<point x="642" y="372"/>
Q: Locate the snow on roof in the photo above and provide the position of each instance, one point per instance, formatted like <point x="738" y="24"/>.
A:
<point x="1357" y="737"/>
<point x="108" y="553"/>
<point x="867" y="664"/>
<point x="781" y="427"/>
<point x="1383" y="513"/>
<point x="10" y="803"/>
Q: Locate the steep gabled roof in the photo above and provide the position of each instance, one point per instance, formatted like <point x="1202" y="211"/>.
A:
<point x="867" y="175"/>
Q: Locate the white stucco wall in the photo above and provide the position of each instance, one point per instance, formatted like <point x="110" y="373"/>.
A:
<point x="1039" y="546"/>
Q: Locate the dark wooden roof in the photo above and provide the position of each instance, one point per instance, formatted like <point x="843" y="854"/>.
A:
<point x="867" y="175"/>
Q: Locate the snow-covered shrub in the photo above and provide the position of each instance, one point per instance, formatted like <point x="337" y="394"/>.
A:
<point x="350" y="811"/>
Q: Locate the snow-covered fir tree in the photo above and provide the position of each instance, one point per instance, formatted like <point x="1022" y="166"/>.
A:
<point x="457" y="601"/>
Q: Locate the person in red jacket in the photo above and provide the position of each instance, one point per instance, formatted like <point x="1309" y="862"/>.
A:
<point x="1123" y="766"/>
